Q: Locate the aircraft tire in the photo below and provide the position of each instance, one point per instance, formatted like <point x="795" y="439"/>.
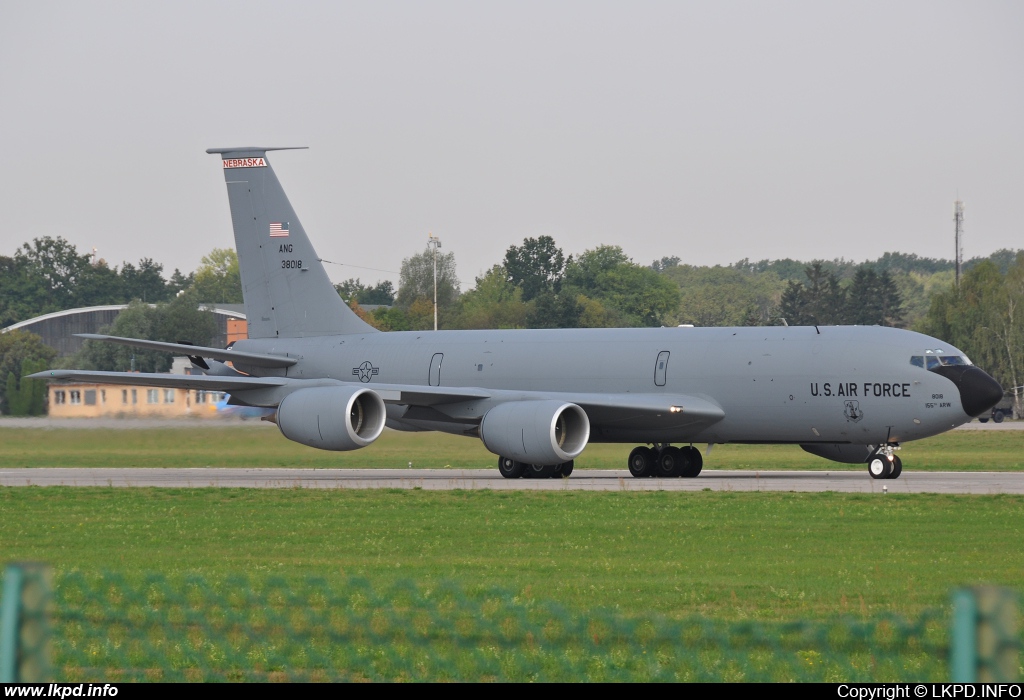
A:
<point x="879" y="467"/>
<point x="509" y="468"/>
<point x="695" y="462"/>
<point x="983" y="420"/>
<point x="540" y="471"/>
<point x="671" y="462"/>
<point x="897" y="468"/>
<point x="641" y="461"/>
<point x="564" y="469"/>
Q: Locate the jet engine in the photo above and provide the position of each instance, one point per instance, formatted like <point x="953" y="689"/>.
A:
<point x="332" y="418"/>
<point x="536" y="432"/>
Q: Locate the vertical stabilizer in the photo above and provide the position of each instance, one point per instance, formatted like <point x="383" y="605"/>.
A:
<point x="286" y="290"/>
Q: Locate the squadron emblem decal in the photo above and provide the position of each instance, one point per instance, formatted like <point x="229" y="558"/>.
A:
<point x="365" y="371"/>
<point x="852" y="411"/>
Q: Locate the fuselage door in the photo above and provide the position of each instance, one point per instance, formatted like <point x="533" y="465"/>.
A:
<point x="435" y="369"/>
<point x="661" y="368"/>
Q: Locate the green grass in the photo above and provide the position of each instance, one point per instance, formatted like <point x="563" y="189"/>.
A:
<point x="263" y="446"/>
<point x="727" y="555"/>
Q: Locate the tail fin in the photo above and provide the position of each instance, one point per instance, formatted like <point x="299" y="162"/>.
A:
<point x="286" y="290"/>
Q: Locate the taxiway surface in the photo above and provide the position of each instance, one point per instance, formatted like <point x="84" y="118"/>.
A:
<point x="581" y="480"/>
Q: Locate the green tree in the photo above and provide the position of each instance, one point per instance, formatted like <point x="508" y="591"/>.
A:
<point x="819" y="301"/>
<point x="354" y="290"/>
<point x="27" y="397"/>
<point x="494" y="302"/>
<point x="637" y="295"/>
<point x="181" y="319"/>
<point x="21" y="353"/>
<point x="873" y="300"/>
<point x="666" y="263"/>
<point x="416" y="287"/>
<point x="984" y="317"/>
<point x="726" y="296"/>
<point x="217" y="279"/>
<point x="144" y="282"/>
<point x="535" y="267"/>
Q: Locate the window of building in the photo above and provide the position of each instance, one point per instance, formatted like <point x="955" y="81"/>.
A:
<point x="76" y="396"/>
<point x="152" y="396"/>
<point x="60" y="397"/>
<point x="135" y="396"/>
<point x="168" y="395"/>
<point x="90" y="397"/>
<point x="124" y="396"/>
<point x="200" y="396"/>
<point x="103" y="395"/>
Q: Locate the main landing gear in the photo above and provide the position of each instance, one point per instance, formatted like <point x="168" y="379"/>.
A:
<point x="665" y="461"/>
<point x="883" y="464"/>
<point x="511" y="469"/>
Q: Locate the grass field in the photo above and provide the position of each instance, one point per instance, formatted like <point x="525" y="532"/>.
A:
<point x="727" y="555"/>
<point x="249" y="445"/>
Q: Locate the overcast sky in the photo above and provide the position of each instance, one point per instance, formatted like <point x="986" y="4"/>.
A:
<point x="712" y="131"/>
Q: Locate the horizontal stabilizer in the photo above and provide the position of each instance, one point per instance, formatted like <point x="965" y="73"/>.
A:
<point x="249" y="358"/>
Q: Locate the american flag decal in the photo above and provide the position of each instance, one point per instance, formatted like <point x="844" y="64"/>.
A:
<point x="279" y="230"/>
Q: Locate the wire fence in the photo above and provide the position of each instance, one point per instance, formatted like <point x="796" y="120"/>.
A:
<point x="109" y="628"/>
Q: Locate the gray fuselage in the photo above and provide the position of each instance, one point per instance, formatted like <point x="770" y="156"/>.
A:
<point x="831" y="384"/>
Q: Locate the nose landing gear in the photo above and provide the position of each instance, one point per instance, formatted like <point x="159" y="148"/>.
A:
<point x="883" y="464"/>
<point x="665" y="461"/>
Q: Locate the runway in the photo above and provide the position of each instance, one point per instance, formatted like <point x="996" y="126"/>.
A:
<point x="475" y="479"/>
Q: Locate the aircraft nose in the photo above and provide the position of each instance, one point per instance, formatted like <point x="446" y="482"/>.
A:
<point x="978" y="390"/>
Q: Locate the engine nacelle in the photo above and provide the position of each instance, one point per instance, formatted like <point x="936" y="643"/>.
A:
<point x="332" y="418"/>
<point x="536" y="432"/>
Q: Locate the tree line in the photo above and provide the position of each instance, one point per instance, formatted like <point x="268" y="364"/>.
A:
<point x="537" y="285"/>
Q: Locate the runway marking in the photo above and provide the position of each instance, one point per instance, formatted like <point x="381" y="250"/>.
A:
<point x="475" y="479"/>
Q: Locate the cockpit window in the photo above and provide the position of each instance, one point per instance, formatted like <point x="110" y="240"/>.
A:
<point x="935" y="361"/>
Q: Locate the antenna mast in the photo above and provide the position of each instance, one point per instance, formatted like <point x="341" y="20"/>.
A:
<point x="958" y="220"/>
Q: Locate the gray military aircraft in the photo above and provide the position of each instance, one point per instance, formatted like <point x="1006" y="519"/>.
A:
<point x="537" y="397"/>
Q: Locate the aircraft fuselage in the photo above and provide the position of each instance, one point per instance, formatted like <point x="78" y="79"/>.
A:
<point x="831" y="384"/>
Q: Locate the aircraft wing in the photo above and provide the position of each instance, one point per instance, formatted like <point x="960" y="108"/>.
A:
<point x="646" y="411"/>
<point x="611" y="410"/>
<point x="166" y="381"/>
<point x="390" y="393"/>
<point x="249" y="358"/>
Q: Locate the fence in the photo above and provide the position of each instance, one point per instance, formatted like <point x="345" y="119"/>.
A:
<point x="112" y="628"/>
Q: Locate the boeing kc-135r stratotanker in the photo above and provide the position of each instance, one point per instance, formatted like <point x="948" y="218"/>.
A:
<point x="537" y="397"/>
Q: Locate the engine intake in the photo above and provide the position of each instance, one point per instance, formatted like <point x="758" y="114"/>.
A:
<point x="536" y="432"/>
<point x="332" y="418"/>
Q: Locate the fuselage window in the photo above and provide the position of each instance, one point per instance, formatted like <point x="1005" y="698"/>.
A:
<point x="917" y="361"/>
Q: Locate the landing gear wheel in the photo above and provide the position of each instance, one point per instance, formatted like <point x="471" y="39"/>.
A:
<point x="879" y="467"/>
<point x="540" y="471"/>
<point x="641" y="461"/>
<point x="509" y="468"/>
<point x="564" y="469"/>
<point x="897" y="468"/>
<point x="983" y="420"/>
<point x="695" y="462"/>
<point x="670" y="462"/>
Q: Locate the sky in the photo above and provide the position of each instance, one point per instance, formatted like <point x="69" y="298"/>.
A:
<point x="710" y="131"/>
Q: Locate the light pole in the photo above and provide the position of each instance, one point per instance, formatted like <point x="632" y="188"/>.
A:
<point x="435" y="243"/>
